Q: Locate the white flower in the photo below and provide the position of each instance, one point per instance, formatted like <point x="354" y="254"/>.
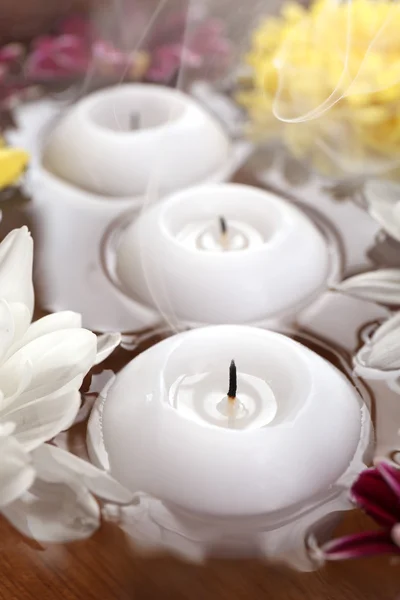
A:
<point x="44" y="491"/>
<point x="16" y="471"/>
<point x="379" y="358"/>
<point x="383" y="204"/>
<point x="53" y="499"/>
<point x="382" y="287"/>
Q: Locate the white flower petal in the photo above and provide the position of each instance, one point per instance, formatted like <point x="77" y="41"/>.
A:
<point x="50" y="461"/>
<point x="385" y="353"/>
<point x="55" y="512"/>
<point x="15" y="387"/>
<point x="6" y="429"/>
<point x="387" y="327"/>
<point x="16" y="258"/>
<point x="16" y="471"/>
<point x="363" y="368"/>
<point x="382" y="201"/>
<point x="379" y="358"/>
<point x="49" y="324"/>
<point x="106" y="344"/>
<point x="22" y="319"/>
<point x="41" y="420"/>
<point x="14" y="321"/>
<point x="381" y="286"/>
<point x="7" y="329"/>
<point x="57" y="358"/>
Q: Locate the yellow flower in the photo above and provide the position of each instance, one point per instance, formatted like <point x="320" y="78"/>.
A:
<point x="13" y="163"/>
<point x="337" y="67"/>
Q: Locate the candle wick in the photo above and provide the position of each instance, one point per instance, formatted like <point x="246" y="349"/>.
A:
<point x="232" y="381"/>
<point x="223" y="226"/>
<point x="134" y="121"/>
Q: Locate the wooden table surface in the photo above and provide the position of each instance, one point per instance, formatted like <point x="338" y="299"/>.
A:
<point x="106" y="566"/>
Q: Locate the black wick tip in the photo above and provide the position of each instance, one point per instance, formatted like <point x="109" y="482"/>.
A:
<point x="232" y="381"/>
<point x="223" y="226"/>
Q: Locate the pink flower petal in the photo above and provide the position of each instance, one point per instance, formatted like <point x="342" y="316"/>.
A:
<point x="76" y="25"/>
<point x="38" y="66"/>
<point x="371" y="493"/>
<point x="43" y="43"/>
<point x="107" y="53"/>
<point x="191" y="59"/>
<point x="208" y="40"/>
<point x="11" y="53"/>
<point x="196" y="42"/>
<point x="68" y="42"/>
<point x="165" y="63"/>
<point x="58" y="56"/>
<point x="391" y="475"/>
<point x="3" y="72"/>
<point x="369" y="543"/>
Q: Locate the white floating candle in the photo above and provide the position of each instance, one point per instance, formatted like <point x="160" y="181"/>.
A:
<point x="165" y="432"/>
<point x="268" y="259"/>
<point x="117" y="141"/>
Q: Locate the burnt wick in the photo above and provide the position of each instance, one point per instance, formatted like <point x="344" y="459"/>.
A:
<point x="232" y="381"/>
<point x="223" y="226"/>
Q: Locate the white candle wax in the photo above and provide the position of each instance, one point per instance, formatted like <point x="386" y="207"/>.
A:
<point x="271" y="259"/>
<point x="207" y="235"/>
<point x="163" y="434"/>
<point x="118" y="141"/>
<point x="201" y="398"/>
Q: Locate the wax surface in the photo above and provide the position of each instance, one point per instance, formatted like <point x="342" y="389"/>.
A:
<point x="202" y="399"/>
<point x="309" y="444"/>
<point x="206" y="235"/>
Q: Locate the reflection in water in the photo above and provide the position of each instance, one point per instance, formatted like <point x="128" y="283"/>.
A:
<point x="385" y="253"/>
<point x="68" y="272"/>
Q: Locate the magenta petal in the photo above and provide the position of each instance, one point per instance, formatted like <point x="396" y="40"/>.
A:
<point x="3" y="72"/>
<point x="109" y="54"/>
<point x="41" y="65"/>
<point x="76" y="25"/>
<point x="360" y="545"/>
<point x="11" y="52"/>
<point x="391" y="475"/>
<point x="68" y="43"/>
<point x="371" y="493"/>
<point x="58" y="56"/>
<point x="165" y="63"/>
<point x="44" y="43"/>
